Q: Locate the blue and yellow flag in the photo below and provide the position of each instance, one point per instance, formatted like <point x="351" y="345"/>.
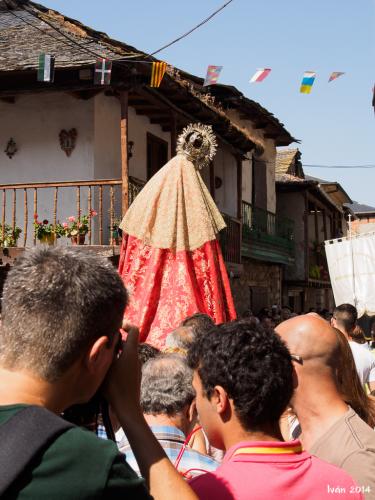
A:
<point x="307" y="82"/>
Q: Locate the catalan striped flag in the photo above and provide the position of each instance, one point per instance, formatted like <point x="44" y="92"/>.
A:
<point x="46" y="68"/>
<point x="212" y="76"/>
<point x="260" y="75"/>
<point x="158" y="70"/>
<point x="307" y="82"/>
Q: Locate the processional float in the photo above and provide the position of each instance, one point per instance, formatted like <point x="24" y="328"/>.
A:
<point x="170" y="260"/>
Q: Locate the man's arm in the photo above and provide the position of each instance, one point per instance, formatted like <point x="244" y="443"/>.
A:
<point x="123" y="391"/>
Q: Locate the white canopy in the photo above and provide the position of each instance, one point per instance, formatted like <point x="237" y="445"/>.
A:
<point x="351" y="264"/>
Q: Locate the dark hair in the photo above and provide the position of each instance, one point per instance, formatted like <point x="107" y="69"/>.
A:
<point x="146" y="352"/>
<point x="346" y="316"/>
<point x="56" y="303"/>
<point x="200" y="322"/>
<point x="254" y="368"/>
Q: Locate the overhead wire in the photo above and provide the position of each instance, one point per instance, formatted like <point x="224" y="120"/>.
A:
<point x="128" y="58"/>
<point x="193" y="29"/>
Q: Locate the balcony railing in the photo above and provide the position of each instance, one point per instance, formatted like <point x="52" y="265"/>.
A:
<point x="230" y="239"/>
<point x="267" y="227"/>
<point x="56" y="201"/>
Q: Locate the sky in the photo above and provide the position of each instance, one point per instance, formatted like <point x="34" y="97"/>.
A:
<point x="335" y="123"/>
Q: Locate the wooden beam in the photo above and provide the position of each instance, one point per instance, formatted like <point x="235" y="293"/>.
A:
<point x="9" y="100"/>
<point x="157" y="97"/>
<point x="316" y="224"/>
<point x="124" y="151"/>
<point x="260" y="125"/>
<point x="156" y="120"/>
<point x="306" y="249"/>
<point x="239" y="187"/>
<point x="325" y="225"/>
<point x="212" y="179"/>
<point x="173" y="124"/>
<point x="84" y="95"/>
<point x="270" y="135"/>
<point x="148" y="111"/>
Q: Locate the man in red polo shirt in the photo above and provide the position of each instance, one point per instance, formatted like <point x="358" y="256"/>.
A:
<point x="243" y="381"/>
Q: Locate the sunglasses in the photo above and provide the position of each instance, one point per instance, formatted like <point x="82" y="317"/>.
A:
<point x="297" y="359"/>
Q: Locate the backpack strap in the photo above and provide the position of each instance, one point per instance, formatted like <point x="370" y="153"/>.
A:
<point x="23" y="437"/>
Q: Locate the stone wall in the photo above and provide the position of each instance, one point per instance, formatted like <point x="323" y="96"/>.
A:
<point x="258" y="285"/>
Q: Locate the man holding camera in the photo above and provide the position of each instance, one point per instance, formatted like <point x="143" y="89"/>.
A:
<point x="59" y="341"/>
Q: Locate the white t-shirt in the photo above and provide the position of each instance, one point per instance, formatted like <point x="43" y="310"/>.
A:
<point x="364" y="362"/>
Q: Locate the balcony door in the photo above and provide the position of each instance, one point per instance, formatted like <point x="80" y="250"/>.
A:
<point x="157" y="154"/>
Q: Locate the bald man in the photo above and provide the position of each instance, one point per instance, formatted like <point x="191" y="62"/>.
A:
<point x="330" y="429"/>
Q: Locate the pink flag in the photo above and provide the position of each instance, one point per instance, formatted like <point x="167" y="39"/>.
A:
<point x="260" y="75"/>
<point x="335" y="75"/>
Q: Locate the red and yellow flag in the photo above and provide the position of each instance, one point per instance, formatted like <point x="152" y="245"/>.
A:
<point x="158" y="70"/>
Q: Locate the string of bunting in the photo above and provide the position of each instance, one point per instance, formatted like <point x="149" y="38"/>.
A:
<point x="103" y="72"/>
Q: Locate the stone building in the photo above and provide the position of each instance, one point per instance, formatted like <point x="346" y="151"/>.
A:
<point x="316" y="207"/>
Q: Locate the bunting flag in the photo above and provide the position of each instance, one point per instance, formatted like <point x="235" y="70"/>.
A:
<point x="307" y="82"/>
<point x="103" y="70"/>
<point x="158" y="70"/>
<point x="373" y="98"/>
<point x="335" y="74"/>
<point x="46" y="68"/>
<point x="212" y="76"/>
<point x="260" y="75"/>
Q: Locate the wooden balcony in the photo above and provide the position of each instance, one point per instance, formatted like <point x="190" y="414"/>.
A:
<point x="56" y="201"/>
<point x="267" y="236"/>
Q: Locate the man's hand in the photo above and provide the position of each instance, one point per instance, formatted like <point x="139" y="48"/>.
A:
<point x="122" y="384"/>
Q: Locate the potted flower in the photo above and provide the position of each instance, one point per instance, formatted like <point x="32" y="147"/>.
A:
<point x="46" y="232"/>
<point x="9" y="236"/>
<point x="116" y="231"/>
<point x="76" y="228"/>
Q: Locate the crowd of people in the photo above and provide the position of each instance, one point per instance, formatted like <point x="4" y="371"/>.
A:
<point x="277" y="406"/>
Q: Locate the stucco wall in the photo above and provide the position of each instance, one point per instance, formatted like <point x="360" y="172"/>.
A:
<point x="292" y="205"/>
<point x="247" y="181"/>
<point x="34" y="122"/>
<point x="225" y="166"/>
<point x="268" y="155"/>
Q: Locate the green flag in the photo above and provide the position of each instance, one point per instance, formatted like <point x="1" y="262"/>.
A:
<point x="46" y="68"/>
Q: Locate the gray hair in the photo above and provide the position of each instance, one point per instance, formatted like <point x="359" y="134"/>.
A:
<point x="56" y="303"/>
<point x="166" y="386"/>
<point x="180" y="338"/>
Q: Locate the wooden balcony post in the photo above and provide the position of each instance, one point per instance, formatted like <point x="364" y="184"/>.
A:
<point x="212" y="179"/>
<point x="307" y="256"/>
<point x="124" y="130"/>
<point x="239" y="187"/>
<point x="173" y="134"/>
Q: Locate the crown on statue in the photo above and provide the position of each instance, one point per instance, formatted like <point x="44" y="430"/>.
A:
<point x="198" y="143"/>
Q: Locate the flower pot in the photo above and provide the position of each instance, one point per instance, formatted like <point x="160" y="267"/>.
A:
<point x="48" y="239"/>
<point x="79" y="239"/>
